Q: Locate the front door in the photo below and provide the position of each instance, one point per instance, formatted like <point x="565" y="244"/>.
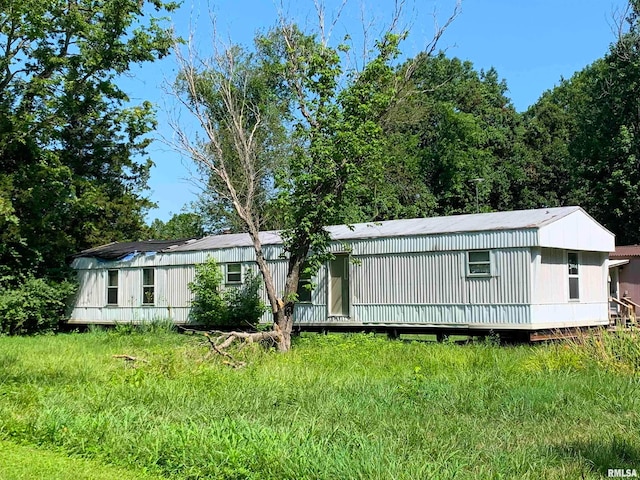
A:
<point x="339" y="286"/>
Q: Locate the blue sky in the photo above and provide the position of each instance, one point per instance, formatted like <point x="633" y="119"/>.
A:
<point x="531" y="43"/>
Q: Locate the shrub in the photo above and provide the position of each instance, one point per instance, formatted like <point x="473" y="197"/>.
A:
<point x="208" y="307"/>
<point x="235" y="307"/>
<point x="34" y="306"/>
<point x="244" y="306"/>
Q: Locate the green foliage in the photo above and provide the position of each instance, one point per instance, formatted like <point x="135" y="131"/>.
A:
<point x="584" y="135"/>
<point x="337" y="406"/>
<point x="212" y="305"/>
<point x="578" y="145"/>
<point x="243" y="304"/>
<point x="242" y="99"/>
<point x="618" y="352"/>
<point x="72" y="166"/>
<point x="207" y="307"/>
<point x="288" y="130"/>
<point x="24" y="461"/>
<point x="338" y="139"/>
<point x="179" y="226"/>
<point x="35" y="306"/>
<point x="452" y="124"/>
<point x="157" y="325"/>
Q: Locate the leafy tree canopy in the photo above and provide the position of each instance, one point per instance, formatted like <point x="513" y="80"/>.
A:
<point x="451" y="125"/>
<point x="179" y="226"/>
<point x="586" y="133"/>
<point x="70" y="145"/>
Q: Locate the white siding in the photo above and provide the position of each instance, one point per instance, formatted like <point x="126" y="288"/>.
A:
<point x="382" y="286"/>
<point x="319" y="295"/>
<point x="577" y="231"/>
<point x="279" y="274"/>
<point x="439" y="242"/>
<point x="593" y="277"/>
<point x="359" y="247"/>
<point x="412" y="278"/>
<point x="111" y="315"/>
<point x="509" y="281"/>
<point x="552" y="282"/>
<point x="172" y="295"/>
<point x="130" y="292"/>
<point x="92" y="291"/>
<point x="419" y="278"/>
<point x="551" y="306"/>
<point x="484" y="316"/>
<point x="227" y="255"/>
<point x="440" y="278"/>
<point x="172" y="286"/>
<point x="306" y="313"/>
<point x="569" y="315"/>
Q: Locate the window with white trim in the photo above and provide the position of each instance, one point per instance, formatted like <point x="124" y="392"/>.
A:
<point x="574" y="275"/>
<point x="479" y="263"/>
<point x="234" y="273"/>
<point x="148" y="286"/>
<point x="112" y="287"/>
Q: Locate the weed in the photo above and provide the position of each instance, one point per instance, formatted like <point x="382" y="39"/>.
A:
<point x="156" y="325"/>
<point x="336" y="406"/>
<point x="617" y="352"/>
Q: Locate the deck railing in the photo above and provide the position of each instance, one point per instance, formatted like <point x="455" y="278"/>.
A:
<point x="626" y="315"/>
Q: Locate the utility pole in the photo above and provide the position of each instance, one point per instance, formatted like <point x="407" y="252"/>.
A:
<point x="477" y="181"/>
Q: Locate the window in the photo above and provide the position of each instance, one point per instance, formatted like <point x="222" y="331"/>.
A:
<point x="304" y="285"/>
<point x="148" y="286"/>
<point x="479" y="264"/>
<point x="234" y="273"/>
<point x="112" y="287"/>
<point x="574" y="277"/>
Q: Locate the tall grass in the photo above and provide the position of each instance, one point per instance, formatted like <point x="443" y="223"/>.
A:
<point x="337" y="406"/>
<point x="617" y="351"/>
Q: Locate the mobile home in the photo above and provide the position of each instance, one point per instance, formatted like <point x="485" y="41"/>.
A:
<point x="507" y="271"/>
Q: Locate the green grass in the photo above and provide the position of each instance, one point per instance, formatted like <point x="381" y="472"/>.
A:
<point x="19" y="462"/>
<point x="337" y="406"/>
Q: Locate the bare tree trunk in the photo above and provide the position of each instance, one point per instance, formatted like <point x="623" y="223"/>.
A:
<point x="278" y="306"/>
<point x="283" y="316"/>
<point x="282" y="308"/>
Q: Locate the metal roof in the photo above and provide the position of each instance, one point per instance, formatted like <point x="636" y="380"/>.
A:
<point x="479" y="222"/>
<point x="512" y="221"/>
<point x="118" y="250"/>
<point x="618" y="263"/>
<point x="626" y="251"/>
<point x="228" y="240"/>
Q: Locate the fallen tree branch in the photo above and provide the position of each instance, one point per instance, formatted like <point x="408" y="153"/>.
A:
<point x="220" y="341"/>
<point x="130" y="358"/>
<point x="228" y="338"/>
<point x="232" y="361"/>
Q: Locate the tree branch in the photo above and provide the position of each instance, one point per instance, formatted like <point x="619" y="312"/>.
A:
<point x="220" y="341"/>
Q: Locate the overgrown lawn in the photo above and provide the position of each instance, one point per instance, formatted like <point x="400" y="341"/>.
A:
<point x="337" y="406"/>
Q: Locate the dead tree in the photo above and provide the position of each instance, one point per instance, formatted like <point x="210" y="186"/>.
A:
<point x="236" y="98"/>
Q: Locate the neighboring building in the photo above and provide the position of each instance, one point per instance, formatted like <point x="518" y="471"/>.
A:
<point x="627" y="260"/>
<point x="524" y="270"/>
